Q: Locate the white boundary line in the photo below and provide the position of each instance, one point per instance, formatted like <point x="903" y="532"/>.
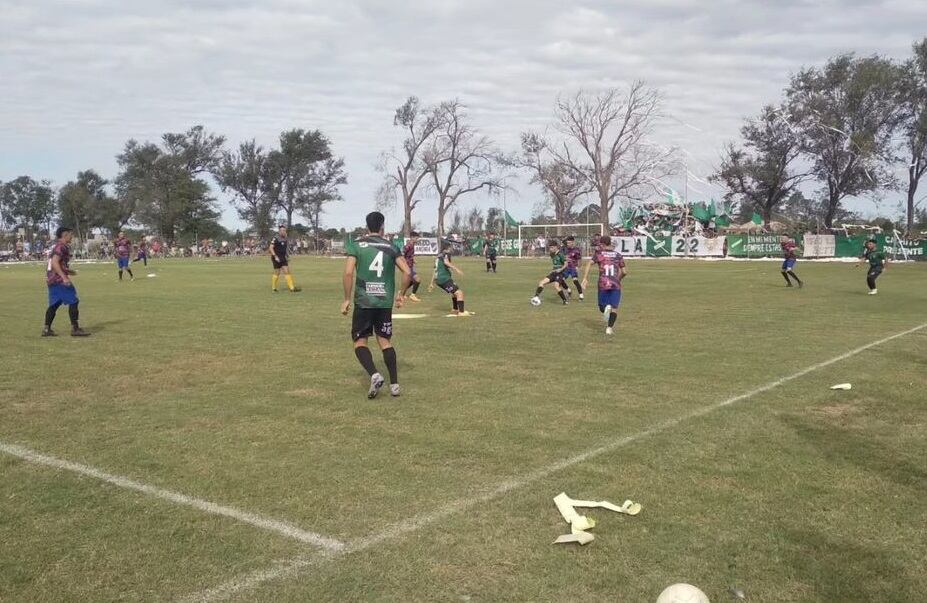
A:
<point x="294" y="566"/>
<point x="273" y="525"/>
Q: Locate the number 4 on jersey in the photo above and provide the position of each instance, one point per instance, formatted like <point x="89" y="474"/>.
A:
<point x="377" y="265"/>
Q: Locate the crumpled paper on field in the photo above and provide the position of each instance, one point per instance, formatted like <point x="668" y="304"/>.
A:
<point x="580" y="523"/>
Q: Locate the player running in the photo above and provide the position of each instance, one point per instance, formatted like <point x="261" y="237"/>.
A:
<point x="142" y="253"/>
<point x="877" y="263"/>
<point x="371" y="273"/>
<point x="555" y="276"/>
<point x="60" y="288"/>
<point x="279" y="258"/>
<point x="574" y="256"/>
<point x="445" y="280"/>
<point x="789" y="252"/>
<point x="408" y="252"/>
<point x="490" y="250"/>
<point x="612" y="271"/>
<point x="123" y="248"/>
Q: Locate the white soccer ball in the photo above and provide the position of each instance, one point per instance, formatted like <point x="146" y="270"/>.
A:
<point x="535" y="301"/>
<point x="682" y="593"/>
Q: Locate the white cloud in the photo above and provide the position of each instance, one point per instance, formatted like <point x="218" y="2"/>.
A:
<point x="78" y="78"/>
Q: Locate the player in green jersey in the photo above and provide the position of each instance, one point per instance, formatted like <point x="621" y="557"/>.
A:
<point x="555" y="276"/>
<point x="370" y="274"/>
<point x="444" y="279"/>
<point x="877" y="263"/>
<point x="490" y="250"/>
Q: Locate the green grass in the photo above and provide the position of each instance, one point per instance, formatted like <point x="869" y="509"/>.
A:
<point x="203" y="382"/>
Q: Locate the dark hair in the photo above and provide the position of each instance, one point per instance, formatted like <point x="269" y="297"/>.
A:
<point x="872" y="241"/>
<point x="281" y="226"/>
<point x="571" y="238"/>
<point x="413" y="233"/>
<point x="553" y="243"/>
<point x="375" y="221"/>
<point x="605" y="240"/>
<point x="61" y="230"/>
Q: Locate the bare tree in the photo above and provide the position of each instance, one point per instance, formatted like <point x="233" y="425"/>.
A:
<point x="406" y="170"/>
<point x="460" y="160"/>
<point x="563" y="186"/>
<point x="606" y="143"/>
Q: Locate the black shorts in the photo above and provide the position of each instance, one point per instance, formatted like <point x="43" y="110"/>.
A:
<point x="449" y="287"/>
<point x="491" y="256"/>
<point x="874" y="272"/>
<point x="556" y="277"/>
<point x="280" y="264"/>
<point x="367" y="321"/>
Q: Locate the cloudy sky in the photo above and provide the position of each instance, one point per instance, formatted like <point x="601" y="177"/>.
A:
<point x="80" y="77"/>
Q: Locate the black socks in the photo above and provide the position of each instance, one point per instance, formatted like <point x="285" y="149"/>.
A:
<point x="366" y="359"/>
<point x="389" y="357"/>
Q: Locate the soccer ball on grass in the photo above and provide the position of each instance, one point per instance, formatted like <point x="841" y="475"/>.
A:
<point x="682" y="593"/>
<point x="535" y="301"/>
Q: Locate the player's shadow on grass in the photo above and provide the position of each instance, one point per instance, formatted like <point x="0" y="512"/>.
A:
<point x="846" y="570"/>
<point x="838" y="444"/>
<point x="97" y="327"/>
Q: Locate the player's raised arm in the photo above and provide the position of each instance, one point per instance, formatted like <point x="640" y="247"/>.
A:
<point x="347" y="280"/>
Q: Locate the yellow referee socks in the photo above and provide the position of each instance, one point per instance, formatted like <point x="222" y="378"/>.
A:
<point x="289" y="282"/>
<point x="274" y="281"/>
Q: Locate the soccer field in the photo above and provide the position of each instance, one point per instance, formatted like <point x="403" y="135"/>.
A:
<point x="213" y="441"/>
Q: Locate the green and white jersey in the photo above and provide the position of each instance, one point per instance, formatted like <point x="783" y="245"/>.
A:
<point x="375" y="275"/>
<point x="442" y="272"/>
<point x="492" y="247"/>
<point x="876" y="258"/>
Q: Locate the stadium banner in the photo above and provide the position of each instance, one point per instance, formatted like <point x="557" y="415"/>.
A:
<point x="852" y="247"/>
<point x="426" y="246"/>
<point x="912" y="248"/>
<point x="819" y="246"/>
<point x="760" y="245"/>
<point x="631" y="246"/>
<point x="736" y="245"/>
<point x="659" y="247"/>
<point x="697" y="246"/>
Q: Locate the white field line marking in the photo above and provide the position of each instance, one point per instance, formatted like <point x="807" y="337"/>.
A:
<point x="273" y="525"/>
<point x="294" y="566"/>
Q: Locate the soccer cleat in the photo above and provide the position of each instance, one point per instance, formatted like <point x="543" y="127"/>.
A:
<point x="788" y="284"/>
<point x="394" y="390"/>
<point x="566" y="303"/>
<point x="606" y="312"/>
<point x="79" y="332"/>
<point x="47" y="332"/>
<point x="874" y="292"/>
<point x="800" y="284"/>
<point x="609" y="331"/>
<point x="581" y="297"/>
<point x="276" y="291"/>
<point x="414" y="298"/>
<point x="295" y="290"/>
<point x="376" y="382"/>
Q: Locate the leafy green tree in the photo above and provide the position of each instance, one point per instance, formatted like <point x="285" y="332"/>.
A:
<point x="28" y="203"/>
<point x="291" y="169"/>
<point x="162" y="187"/>
<point x="846" y="113"/>
<point x="83" y="202"/>
<point x="761" y="175"/>
<point x="244" y="173"/>
<point x="913" y="88"/>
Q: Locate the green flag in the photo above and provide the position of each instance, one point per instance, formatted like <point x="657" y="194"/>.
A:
<point x="700" y="212"/>
<point x="757" y="218"/>
<point x="510" y="221"/>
